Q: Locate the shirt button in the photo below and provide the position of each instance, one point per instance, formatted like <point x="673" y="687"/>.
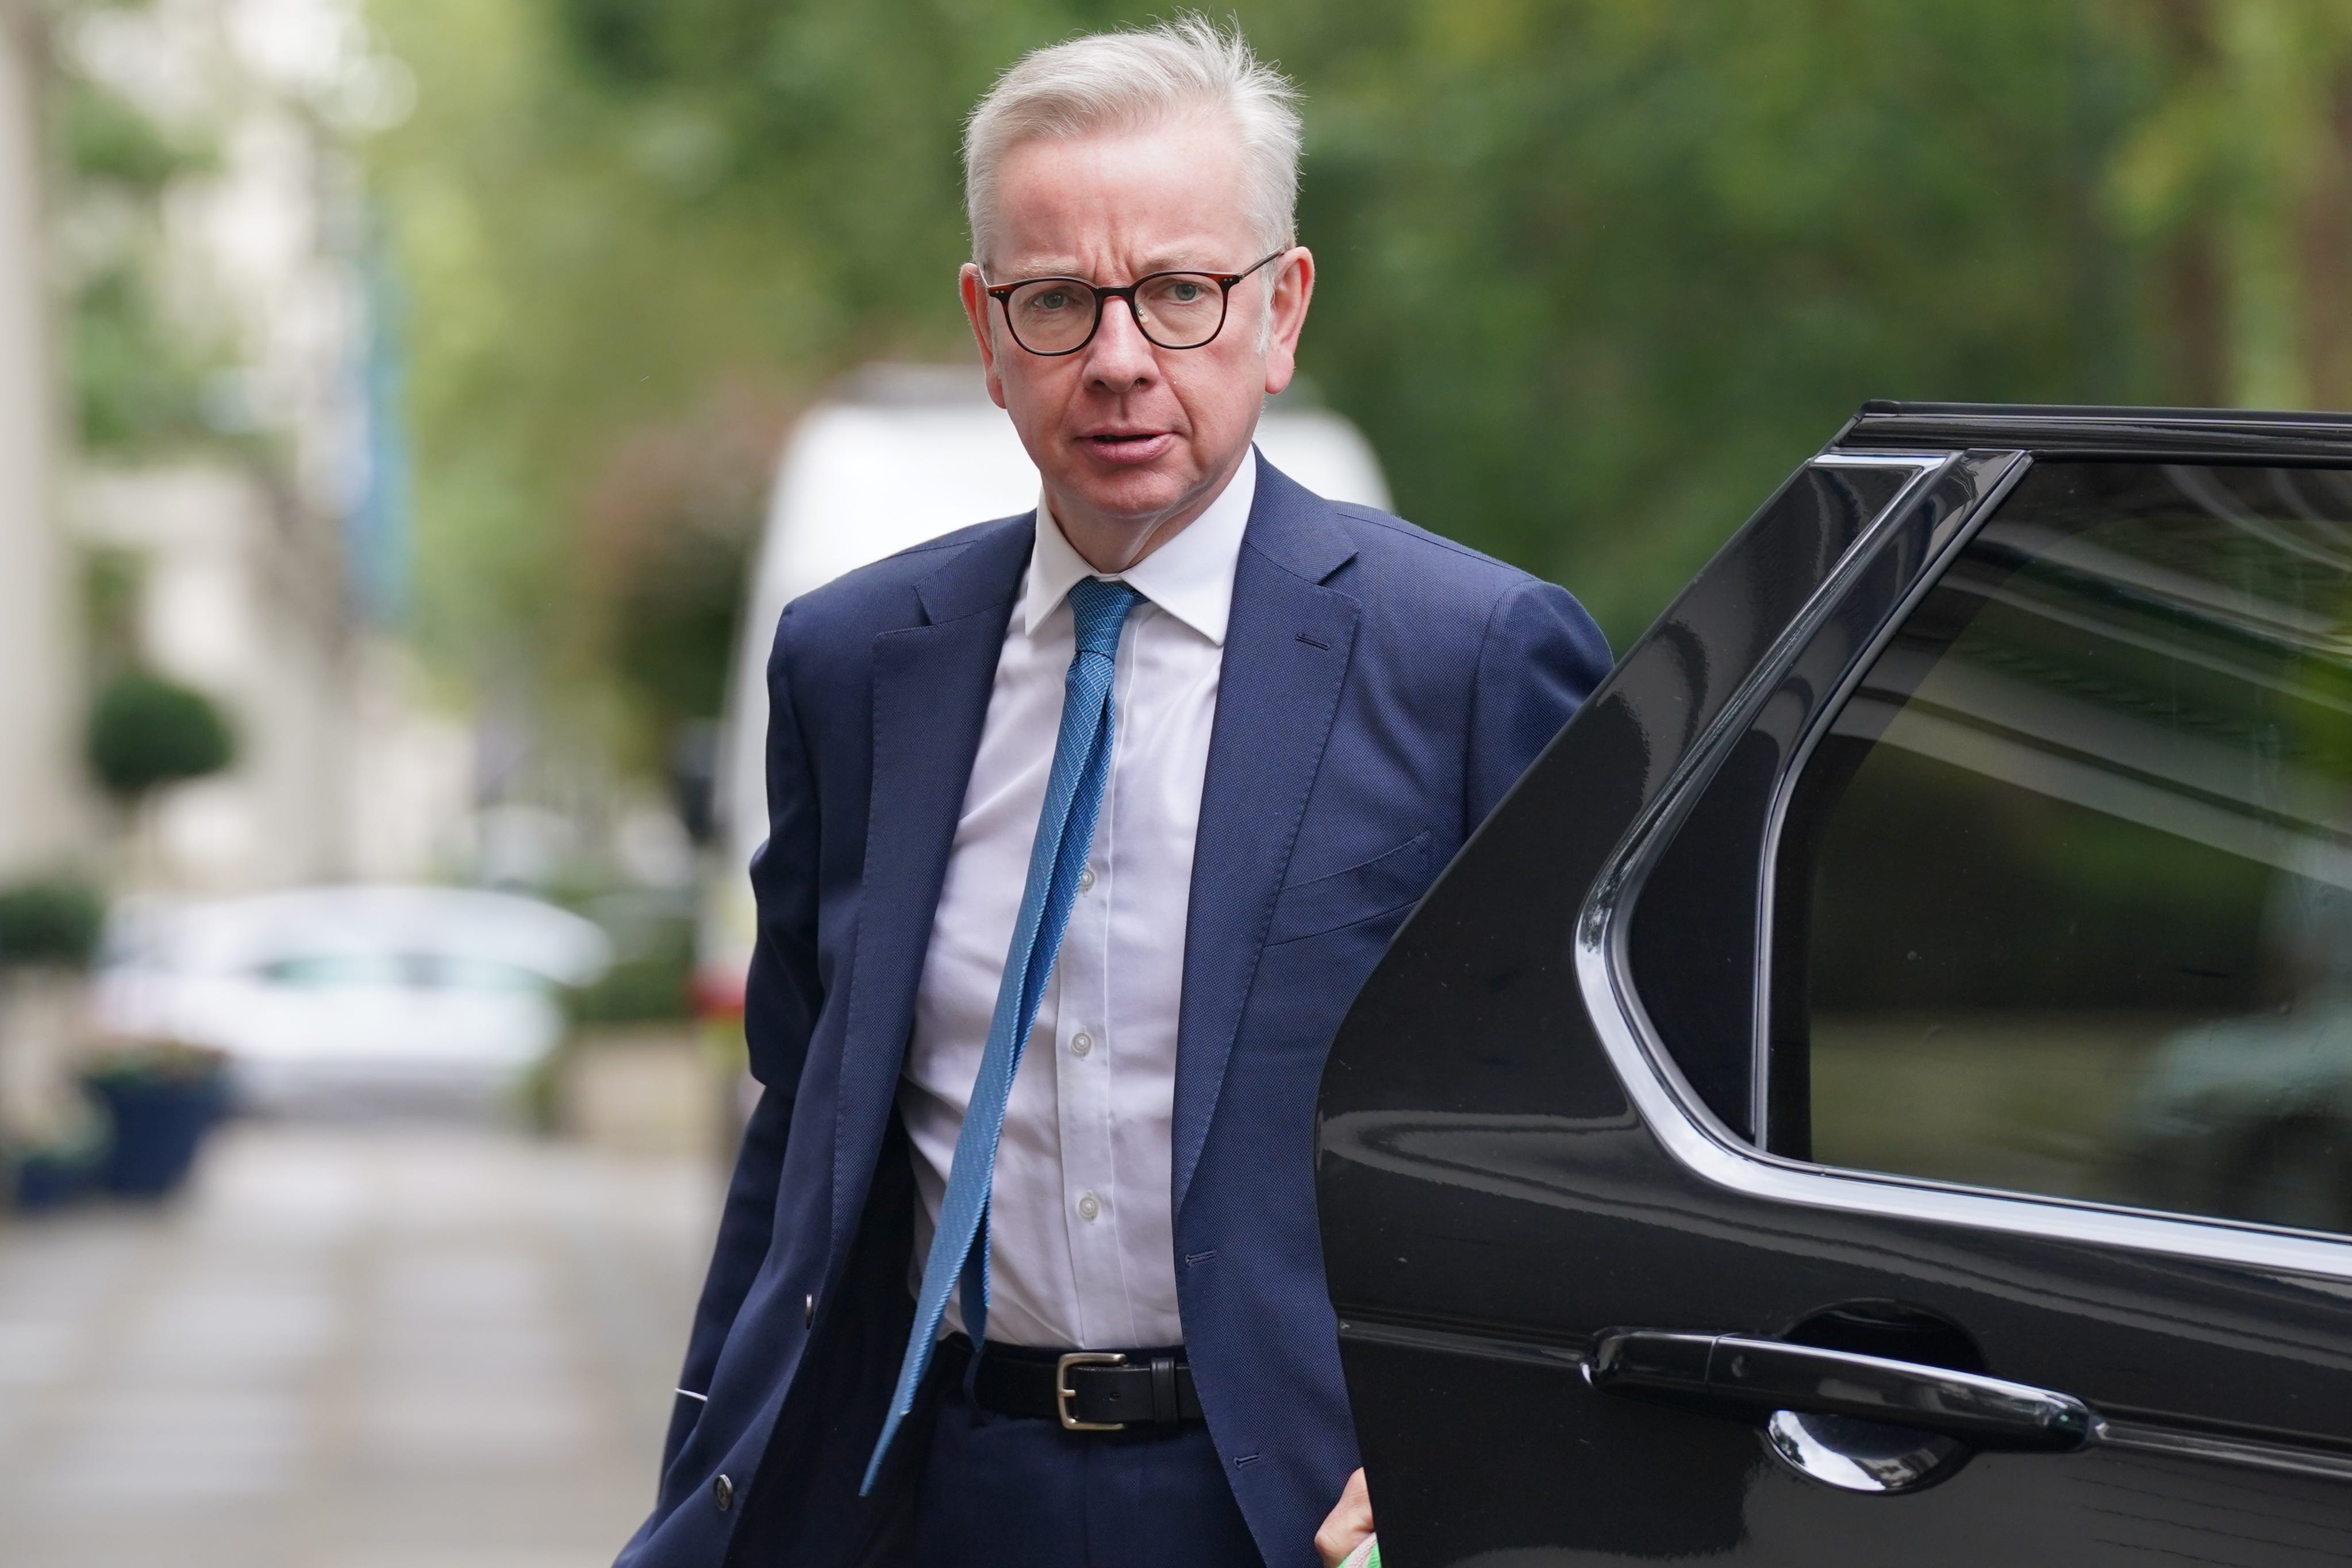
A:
<point x="1089" y="1205"/>
<point x="1081" y="1043"/>
<point x="1086" y="878"/>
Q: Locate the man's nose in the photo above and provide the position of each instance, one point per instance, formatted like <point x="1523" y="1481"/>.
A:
<point x="1120" y="356"/>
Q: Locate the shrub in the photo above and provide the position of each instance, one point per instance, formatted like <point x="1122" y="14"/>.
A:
<point x="145" y="730"/>
<point x="54" y="922"/>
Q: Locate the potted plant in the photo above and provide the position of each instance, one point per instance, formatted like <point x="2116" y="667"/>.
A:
<point x="145" y="734"/>
<point x="64" y="1162"/>
<point x="49" y="933"/>
<point x="162" y="1097"/>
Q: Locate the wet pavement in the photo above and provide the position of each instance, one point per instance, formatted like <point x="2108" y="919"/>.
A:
<point x="350" y="1347"/>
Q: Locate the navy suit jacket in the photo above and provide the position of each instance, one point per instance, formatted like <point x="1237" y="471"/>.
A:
<point x="1382" y="689"/>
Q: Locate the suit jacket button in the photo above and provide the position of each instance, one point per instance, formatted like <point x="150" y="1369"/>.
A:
<point x="722" y="1492"/>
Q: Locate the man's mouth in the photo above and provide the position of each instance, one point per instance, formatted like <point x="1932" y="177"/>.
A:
<point x="1128" y="446"/>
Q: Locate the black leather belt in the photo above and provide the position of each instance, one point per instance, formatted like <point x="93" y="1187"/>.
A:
<point x="1086" y="1391"/>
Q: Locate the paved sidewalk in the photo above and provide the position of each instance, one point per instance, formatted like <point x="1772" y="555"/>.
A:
<point x="350" y="1347"/>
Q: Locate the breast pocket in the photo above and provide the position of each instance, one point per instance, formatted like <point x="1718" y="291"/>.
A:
<point x="1383" y="885"/>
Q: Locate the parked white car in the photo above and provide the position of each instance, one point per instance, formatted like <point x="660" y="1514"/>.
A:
<point x="356" y="997"/>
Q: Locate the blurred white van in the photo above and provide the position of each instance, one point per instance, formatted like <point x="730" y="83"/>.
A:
<point x="902" y="454"/>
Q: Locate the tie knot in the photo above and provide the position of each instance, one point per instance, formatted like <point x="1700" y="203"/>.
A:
<point x="1101" y="609"/>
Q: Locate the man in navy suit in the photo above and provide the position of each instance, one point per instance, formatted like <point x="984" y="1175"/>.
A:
<point x="1085" y="828"/>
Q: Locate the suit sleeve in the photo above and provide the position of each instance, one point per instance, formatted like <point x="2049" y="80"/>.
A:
<point x="781" y="1000"/>
<point x="1540" y="658"/>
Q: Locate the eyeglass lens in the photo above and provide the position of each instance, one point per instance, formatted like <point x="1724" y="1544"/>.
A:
<point x="1175" y="309"/>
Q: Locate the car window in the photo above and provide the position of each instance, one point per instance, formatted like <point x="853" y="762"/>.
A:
<point x="422" y="971"/>
<point x="324" y="971"/>
<point x="2062" y="898"/>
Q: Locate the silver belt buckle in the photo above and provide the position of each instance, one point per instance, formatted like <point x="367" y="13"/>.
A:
<point x="1063" y="1392"/>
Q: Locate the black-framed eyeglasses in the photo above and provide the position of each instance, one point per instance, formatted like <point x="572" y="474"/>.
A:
<point x="1051" y="316"/>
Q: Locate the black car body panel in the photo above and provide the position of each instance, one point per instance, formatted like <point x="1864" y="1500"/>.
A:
<point x="1543" y="1124"/>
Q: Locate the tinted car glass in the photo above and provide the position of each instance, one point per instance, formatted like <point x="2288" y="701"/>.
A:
<point x="2062" y="901"/>
<point x="1699" y="986"/>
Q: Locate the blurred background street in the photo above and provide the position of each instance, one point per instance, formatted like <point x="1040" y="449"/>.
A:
<point x="381" y="1344"/>
<point x="414" y="415"/>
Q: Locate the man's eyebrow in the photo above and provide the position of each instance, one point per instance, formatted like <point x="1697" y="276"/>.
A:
<point x="1181" y="262"/>
<point x="1020" y="269"/>
<point x="1187" y="260"/>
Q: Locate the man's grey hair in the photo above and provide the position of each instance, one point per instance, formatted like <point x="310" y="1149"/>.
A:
<point x="1135" y="80"/>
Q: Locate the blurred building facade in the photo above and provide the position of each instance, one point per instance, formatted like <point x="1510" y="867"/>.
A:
<point x="267" y="563"/>
<point x="40" y="794"/>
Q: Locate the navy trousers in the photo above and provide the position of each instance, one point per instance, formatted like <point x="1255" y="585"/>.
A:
<point x="1018" y="1491"/>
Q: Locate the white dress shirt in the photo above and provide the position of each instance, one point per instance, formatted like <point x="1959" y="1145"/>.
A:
<point x="1082" y="1236"/>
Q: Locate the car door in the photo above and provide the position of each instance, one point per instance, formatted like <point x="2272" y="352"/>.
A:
<point x="1876" y="1091"/>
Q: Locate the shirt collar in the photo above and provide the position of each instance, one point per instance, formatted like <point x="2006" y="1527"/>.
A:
<point x="1191" y="576"/>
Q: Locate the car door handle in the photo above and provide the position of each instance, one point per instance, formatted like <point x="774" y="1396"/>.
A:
<point x="1740" y="1376"/>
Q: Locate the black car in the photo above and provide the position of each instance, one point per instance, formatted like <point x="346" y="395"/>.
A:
<point x="1879" y="1091"/>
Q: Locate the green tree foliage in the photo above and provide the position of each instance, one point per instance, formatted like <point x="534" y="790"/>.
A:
<point x="669" y="531"/>
<point x="1598" y="275"/>
<point x="50" y="923"/>
<point x="136" y="387"/>
<point x="1595" y="273"/>
<point x="55" y="920"/>
<point x="138" y="379"/>
<point x="145" y="731"/>
<point x="2237" y="182"/>
<point x="109" y="143"/>
<point x="575" y="292"/>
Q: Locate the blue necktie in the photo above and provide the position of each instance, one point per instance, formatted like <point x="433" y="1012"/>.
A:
<point x="1065" y="833"/>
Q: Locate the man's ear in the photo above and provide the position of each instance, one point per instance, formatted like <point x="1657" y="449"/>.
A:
<point x="975" y="310"/>
<point x="1294" y="287"/>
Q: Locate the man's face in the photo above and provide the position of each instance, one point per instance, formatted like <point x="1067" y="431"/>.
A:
<point x="1132" y="439"/>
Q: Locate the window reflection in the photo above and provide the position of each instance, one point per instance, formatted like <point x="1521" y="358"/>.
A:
<point x="2065" y="897"/>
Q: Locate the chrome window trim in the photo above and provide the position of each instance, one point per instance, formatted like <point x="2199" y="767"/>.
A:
<point x="1698" y="1140"/>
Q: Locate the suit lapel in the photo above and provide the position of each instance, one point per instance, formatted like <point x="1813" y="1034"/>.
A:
<point x="932" y="685"/>
<point x="1286" y="649"/>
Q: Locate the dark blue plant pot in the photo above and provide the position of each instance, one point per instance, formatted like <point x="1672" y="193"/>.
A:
<point x="159" y="1124"/>
<point x="46" y="1182"/>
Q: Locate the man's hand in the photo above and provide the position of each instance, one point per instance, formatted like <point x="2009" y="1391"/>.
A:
<point x="1349" y="1523"/>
